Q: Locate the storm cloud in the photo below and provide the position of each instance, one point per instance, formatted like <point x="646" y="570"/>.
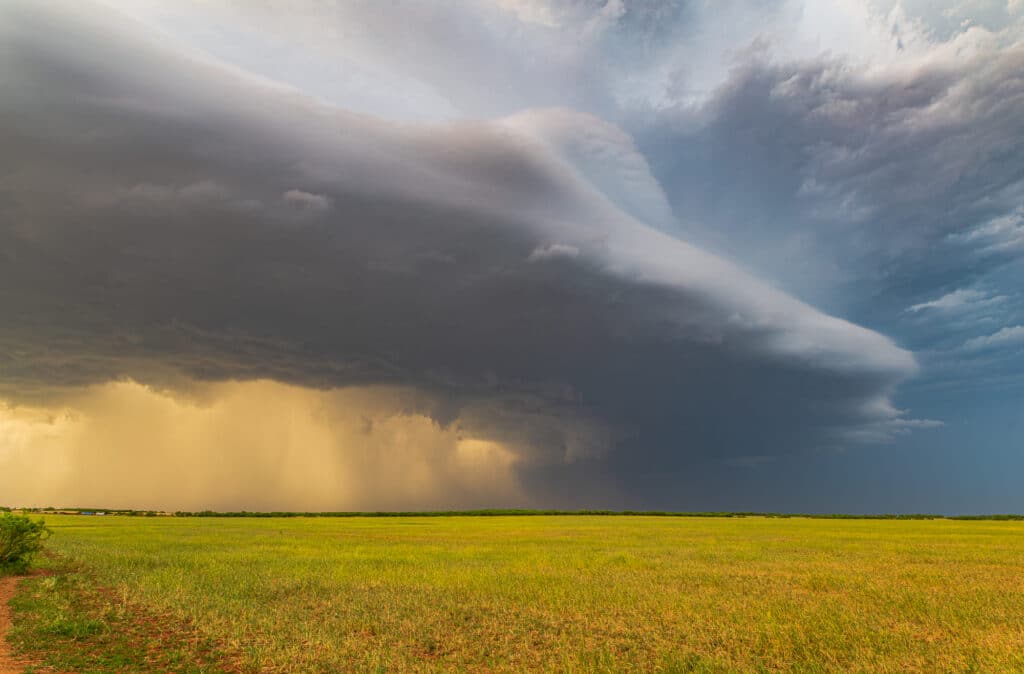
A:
<point x="172" y="224"/>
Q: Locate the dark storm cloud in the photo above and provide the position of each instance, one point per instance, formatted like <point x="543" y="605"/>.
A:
<point x="167" y="219"/>
<point x="889" y="192"/>
<point x="873" y="169"/>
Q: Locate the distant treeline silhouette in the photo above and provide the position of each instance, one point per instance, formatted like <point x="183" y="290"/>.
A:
<point x="494" y="512"/>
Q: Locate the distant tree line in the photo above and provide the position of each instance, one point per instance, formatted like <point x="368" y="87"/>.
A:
<point x="493" y="512"/>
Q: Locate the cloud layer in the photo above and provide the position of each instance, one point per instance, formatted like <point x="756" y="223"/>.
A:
<point x="176" y="222"/>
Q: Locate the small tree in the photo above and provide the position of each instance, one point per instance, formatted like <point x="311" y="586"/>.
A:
<point x="20" y="539"/>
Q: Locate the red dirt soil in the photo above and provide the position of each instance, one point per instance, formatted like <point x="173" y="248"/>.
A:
<point x="8" y="665"/>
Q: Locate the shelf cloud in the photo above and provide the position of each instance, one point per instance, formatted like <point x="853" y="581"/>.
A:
<point x="499" y="295"/>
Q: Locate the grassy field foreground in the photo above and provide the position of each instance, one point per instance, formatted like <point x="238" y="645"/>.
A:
<point x="514" y="593"/>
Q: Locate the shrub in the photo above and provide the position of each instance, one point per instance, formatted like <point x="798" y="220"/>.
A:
<point x="20" y="539"/>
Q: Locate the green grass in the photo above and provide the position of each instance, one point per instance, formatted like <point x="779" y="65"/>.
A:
<point x="562" y="592"/>
<point x="68" y="623"/>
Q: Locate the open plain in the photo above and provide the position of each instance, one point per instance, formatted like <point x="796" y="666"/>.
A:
<point x="517" y="593"/>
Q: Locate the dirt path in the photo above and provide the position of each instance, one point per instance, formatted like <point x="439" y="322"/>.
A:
<point x="8" y="665"/>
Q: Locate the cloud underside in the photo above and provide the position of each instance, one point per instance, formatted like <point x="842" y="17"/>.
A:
<point x="171" y="222"/>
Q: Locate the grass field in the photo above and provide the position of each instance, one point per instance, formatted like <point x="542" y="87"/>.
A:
<point x="549" y="593"/>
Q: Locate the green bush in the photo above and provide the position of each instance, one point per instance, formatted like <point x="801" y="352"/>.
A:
<point x="20" y="539"/>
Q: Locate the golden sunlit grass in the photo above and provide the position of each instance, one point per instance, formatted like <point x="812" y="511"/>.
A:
<point x="569" y="592"/>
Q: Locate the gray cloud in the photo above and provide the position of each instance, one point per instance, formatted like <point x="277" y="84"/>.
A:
<point x="866" y="169"/>
<point x="960" y="298"/>
<point x="868" y="180"/>
<point x="553" y="251"/>
<point x="169" y="254"/>
<point x="307" y="201"/>
<point x="1003" y="337"/>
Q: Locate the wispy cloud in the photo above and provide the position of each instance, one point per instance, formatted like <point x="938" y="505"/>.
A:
<point x="958" y="299"/>
<point x="1004" y="233"/>
<point x="1004" y="337"/>
<point x="552" y="251"/>
<point x="307" y="201"/>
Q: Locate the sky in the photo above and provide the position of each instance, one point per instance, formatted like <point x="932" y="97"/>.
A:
<point x="347" y="255"/>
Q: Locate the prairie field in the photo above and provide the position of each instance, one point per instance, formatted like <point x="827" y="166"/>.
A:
<point x="565" y="593"/>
